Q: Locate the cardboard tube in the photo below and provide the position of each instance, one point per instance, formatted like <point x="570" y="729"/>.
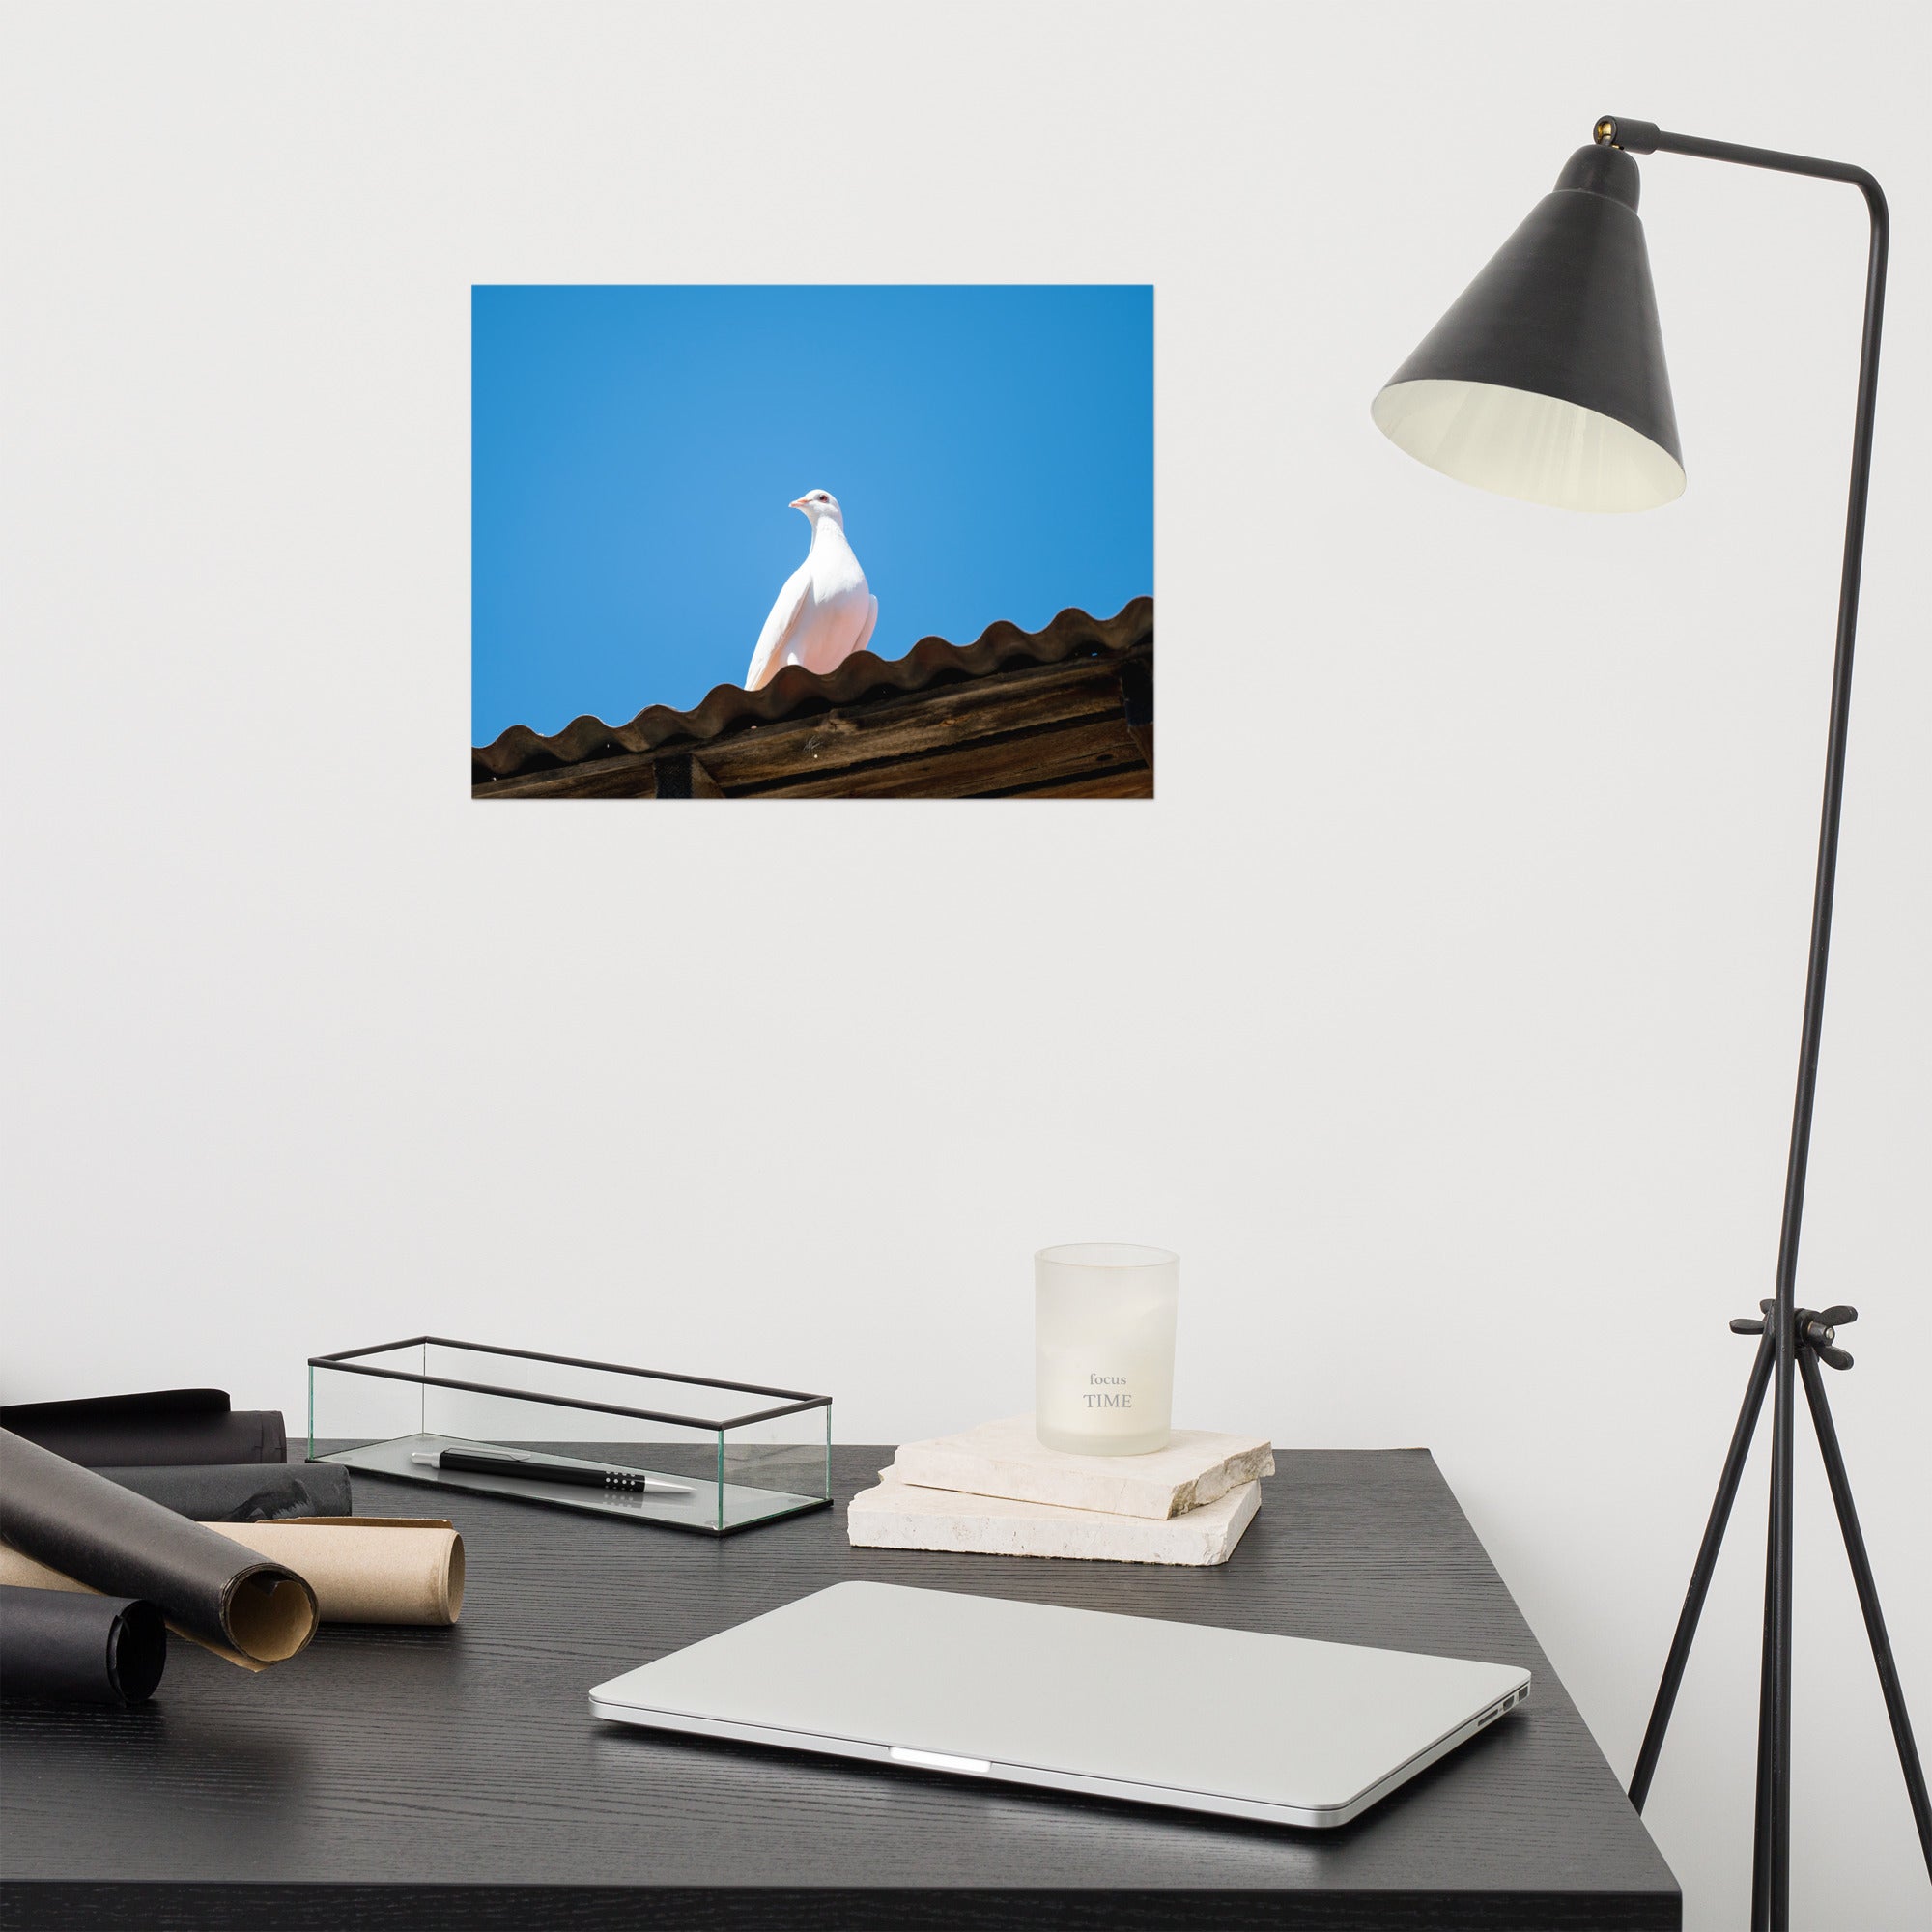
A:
<point x="364" y="1569"/>
<point x="88" y="1533"/>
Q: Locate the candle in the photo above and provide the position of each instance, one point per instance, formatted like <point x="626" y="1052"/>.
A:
<point x="1103" y="1346"/>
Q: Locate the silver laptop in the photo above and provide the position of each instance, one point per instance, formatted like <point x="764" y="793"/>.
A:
<point x="1279" y="1728"/>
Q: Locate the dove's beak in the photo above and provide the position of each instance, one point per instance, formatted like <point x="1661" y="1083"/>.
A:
<point x="797" y="504"/>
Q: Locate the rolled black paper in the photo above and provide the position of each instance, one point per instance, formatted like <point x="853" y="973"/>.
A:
<point x="161" y="1426"/>
<point x="117" y="1542"/>
<point x="242" y="1492"/>
<point x="79" y="1649"/>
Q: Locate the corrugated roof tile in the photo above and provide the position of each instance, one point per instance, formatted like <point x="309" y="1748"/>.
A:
<point x="797" y="693"/>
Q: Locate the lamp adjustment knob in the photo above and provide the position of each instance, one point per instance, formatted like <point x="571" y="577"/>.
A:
<point x="1619" y="131"/>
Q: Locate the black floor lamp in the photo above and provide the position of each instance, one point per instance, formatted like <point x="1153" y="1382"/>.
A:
<point x="1547" y="382"/>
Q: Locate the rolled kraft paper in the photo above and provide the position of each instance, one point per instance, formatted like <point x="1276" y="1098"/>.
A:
<point x="19" y="1571"/>
<point x="160" y="1426"/>
<point x="104" y="1538"/>
<point x="363" y="1570"/>
<point x="79" y="1649"/>
<point x="367" y="1570"/>
<point x="242" y="1492"/>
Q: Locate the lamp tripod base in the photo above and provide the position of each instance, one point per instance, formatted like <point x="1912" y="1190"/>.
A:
<point x="1815" y="1340"/>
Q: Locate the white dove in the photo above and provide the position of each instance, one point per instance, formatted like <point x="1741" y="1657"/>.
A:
<point x="824" y="613"/>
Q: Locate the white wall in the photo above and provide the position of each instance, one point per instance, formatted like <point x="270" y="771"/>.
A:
<point x="1443" y="1010"/>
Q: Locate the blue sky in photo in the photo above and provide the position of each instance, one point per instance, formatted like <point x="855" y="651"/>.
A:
<point x="635" y="450"/>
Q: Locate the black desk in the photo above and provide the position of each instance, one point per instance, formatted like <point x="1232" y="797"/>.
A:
<point x="429" y="1778"/>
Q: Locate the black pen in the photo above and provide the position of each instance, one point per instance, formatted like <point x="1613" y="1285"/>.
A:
<point x="531" y="1468"/>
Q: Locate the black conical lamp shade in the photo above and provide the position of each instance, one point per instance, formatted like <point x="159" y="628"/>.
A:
<point x="1546" y="381"/>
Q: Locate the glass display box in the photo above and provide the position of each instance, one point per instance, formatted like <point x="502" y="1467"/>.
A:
<point x="682" y="1452"/>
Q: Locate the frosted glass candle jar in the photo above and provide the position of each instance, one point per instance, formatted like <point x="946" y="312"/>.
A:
<point x="1103" y="1346"/>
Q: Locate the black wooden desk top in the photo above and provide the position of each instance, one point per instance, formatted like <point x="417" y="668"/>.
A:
<point x="426" y="1778"/>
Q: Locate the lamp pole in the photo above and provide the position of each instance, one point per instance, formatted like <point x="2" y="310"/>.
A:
<point x="1544" y="381"/>
<point x="1794" y="1344"/>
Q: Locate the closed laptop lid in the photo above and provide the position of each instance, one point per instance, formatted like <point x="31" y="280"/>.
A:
<point x="1279" y="1722"/>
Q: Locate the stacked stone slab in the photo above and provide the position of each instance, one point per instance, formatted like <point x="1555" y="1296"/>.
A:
<point x="997" y="1491"/>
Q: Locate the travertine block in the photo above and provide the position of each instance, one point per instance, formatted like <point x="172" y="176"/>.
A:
<point x="902" y="1515"/>
<point x="1006" y="1458"/>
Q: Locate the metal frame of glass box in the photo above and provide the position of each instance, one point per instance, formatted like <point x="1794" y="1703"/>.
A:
<point x="725" y="1473"/>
